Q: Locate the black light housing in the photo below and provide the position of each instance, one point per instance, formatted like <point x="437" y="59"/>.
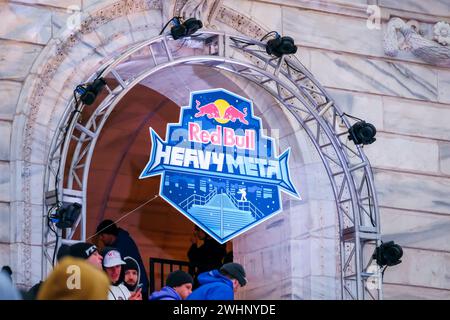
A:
<point x="280" y="46"/>
<point x="67" y="215"/>
<point x="388" y="254"/>
<point x="362" y="133"/>
<point x="185" y="29"/>
<point x="88" y="93"/>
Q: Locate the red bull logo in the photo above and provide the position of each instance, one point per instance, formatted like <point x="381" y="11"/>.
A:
<point x="221" y="111"/>
<point x="218" y="168"/>
<point x="222" y="136"/>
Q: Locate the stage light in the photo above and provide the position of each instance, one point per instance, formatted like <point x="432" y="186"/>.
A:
<point x="67" y="215"/>
<point x="280" y="45"/>
<point x="362" y="133"/>
<point x="186" y="28"/>
<point x="388" y="254"/>
<point x="88" y="92"/>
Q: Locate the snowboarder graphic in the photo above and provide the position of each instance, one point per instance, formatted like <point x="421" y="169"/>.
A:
<point x="243" y="194"/>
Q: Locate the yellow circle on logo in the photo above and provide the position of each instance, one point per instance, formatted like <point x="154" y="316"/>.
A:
<point x="222" y="105"/>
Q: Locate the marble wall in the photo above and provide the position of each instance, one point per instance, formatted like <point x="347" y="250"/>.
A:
<point x="408" y="102"/>
<point x="407" y="99"/>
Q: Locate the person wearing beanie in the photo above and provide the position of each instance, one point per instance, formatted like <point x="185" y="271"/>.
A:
<point x="74" y="279"/>
<point x="220" y="284"/>
<point x="86" y="251"/>
<point x="112" y="236"/>
<point x="178" y="287"/>
<point x="131" y="274"/>
<point x="63" y="251"/>
<point x="112" y="264"/>
<point x="81" y="250"/>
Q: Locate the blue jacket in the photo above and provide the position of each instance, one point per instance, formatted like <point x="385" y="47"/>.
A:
<point x="127" y="247"/>
<point x="166" y="293"/>
<point x="213" y="286"/>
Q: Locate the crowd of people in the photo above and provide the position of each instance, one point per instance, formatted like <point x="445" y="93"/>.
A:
<point x="116" y="272"/>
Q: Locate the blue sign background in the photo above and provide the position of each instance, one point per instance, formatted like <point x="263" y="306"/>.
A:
<point x="224" y="198"/>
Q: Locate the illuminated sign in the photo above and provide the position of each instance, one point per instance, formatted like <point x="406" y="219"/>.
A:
<point x="217" y="167"/>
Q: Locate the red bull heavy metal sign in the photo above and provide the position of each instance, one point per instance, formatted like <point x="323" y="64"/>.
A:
<point x="216" y="166"/>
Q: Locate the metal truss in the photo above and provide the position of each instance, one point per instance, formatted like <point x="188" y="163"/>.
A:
<point x="288" y="81"/>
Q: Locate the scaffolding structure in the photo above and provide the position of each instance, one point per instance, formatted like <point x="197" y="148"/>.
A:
<point x="284" y="78"/>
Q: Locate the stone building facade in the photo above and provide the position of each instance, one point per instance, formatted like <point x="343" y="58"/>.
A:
<point x="394" y="81"/>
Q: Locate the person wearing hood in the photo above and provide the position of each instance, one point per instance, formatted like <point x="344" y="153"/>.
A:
<point x="7" y="270"/>
<point x="131" y="274"/>
<point x="178" y="287"/>
<point x="112" y="236"/>
<point x="7" y="289"/>
<point x="220" y="284"/>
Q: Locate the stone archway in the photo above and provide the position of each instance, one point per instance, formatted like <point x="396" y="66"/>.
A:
<point x="61" y="67"/>
<point x="63" y="63"/>
<point x="66" y="61"/>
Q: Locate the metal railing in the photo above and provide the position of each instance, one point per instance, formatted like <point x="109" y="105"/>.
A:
<point x="197" y="199"/>
<point x="246" y="206"/>
<point x="164" y="264"/>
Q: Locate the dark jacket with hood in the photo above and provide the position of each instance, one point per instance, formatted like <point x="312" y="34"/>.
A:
<point x="166" y="293"/>
<point x="208" y="256"/>
<point x="213" y="286"/>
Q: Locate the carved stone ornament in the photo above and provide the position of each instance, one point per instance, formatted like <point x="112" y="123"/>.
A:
<point x="408" y="37"/>
<point x="200" y="9"/>
<point x="442" y="33"/>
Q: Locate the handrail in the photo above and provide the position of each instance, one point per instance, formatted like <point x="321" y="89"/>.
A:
<point x="257" y="214"/>
<point x="186" y="203"/>
<point x="162" y="263"/>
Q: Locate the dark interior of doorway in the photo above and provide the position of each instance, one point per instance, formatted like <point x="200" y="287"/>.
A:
<point x="121" y="152"/>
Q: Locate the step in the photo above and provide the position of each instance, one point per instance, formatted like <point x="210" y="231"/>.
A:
<point x="227" y="224"/>
<point x="207" y="215"/>
<point x="231" y="225"/>
<point x="221" y="200"/>
<point x="216" y="209"/>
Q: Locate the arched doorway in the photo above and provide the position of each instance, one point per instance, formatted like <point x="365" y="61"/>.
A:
<point x="122" y="150"/>
<point x="307" y="112"/>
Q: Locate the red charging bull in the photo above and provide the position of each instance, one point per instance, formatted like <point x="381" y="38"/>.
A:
<point x="234" y="114"/>
<point x="210" y="110"/>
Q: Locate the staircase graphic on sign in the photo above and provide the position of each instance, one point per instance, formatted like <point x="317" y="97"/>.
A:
<point x="222" y="213"/>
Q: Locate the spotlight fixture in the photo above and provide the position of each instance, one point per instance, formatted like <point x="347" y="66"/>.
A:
<point x="362" y="133"/>
<point x="388" y="254"/>
<point x="185" y="28"/>
<point x="88" y="92"/>
<point x="280" y="45"/>
<point x="67" y="215"/>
